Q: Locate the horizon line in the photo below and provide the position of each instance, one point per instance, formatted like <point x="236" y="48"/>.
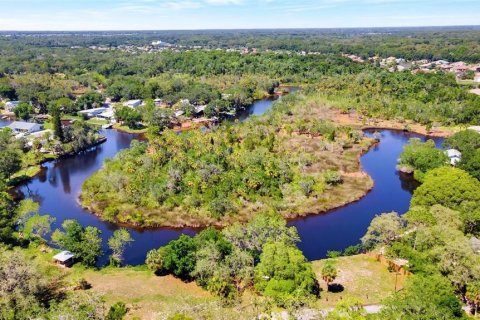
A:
<point x="247" y="29"/>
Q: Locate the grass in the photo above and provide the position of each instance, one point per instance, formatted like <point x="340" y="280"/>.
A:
<point x="24" y="175"/>
<point x="158" y="297"/>
<point x="361" y="277"/>
<point x="128" y="130"/>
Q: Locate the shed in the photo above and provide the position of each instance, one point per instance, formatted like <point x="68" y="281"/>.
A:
<point x="454" y="155"/>
<point x="64" y="258"/>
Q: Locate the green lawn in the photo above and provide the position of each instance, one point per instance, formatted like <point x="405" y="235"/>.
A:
<point x="149" y="296"/>
<point x="362" y="277"/>
<point x="128" y="130"/>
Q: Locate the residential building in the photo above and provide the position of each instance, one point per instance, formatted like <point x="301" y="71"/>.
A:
<point x="10" y="105"/>
<point x="454" y="155"/>
<point x="133" y="103"/>
<point x="24" y="127"/>
<point x="90" y="113"/>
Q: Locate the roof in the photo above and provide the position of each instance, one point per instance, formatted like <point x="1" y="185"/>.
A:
<point x="452" y="153"/>
<point x="94" y="110"/>
<point x="20" y="125"/>
<point x="63" y="256"/>
<point x="475" y="128"/>
<point x="132" y="102"/>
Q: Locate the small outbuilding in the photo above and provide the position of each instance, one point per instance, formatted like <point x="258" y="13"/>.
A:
<point x="64" y="258"/>
<point x="454" y="155"/>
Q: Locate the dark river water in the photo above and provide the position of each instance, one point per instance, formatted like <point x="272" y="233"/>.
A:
<point x="58" y="186"/>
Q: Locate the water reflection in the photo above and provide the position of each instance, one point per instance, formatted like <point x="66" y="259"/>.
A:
<point x="59" y="184"/>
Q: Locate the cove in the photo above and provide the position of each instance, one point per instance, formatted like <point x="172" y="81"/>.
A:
<point x="59" y="184"/>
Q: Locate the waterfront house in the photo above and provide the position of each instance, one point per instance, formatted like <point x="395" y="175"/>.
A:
<point x="133" y="103"/>
<point x="90" y="113"/>
<point x="477" y="77"/>
<point x="64" y="258"/>
<point x="10" y="105"/>
<point x="24" y="127"/>
<point x="454" y="155"/>
<point x="474" y="128"/>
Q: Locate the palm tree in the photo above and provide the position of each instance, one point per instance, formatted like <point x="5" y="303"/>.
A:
<point x="329" y="272"/>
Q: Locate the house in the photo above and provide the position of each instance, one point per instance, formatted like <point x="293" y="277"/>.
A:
<point x="108" y="114"/>
<point x="24" y="127"/>
<point x="90" y="113"/>
<point x="133" y="103"/>
<point x="477" y="77"/>
<point x="200" y="109"/>
<point x="454" y="155"/>
<point x="10" y="105"/>
<point x="474" y="128"/>
<point x="64" y="258"/>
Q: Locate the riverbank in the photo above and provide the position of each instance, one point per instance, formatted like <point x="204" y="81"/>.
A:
<point x="334" y="156"/>
<point x="30" y="172"/>
<point x="357" y="121"/>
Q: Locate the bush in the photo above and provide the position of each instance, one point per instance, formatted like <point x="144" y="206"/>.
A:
<point x="117" y="311"/>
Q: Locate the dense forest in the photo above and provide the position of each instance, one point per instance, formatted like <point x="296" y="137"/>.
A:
<point x="450" y="43"/>
<point x="245" y="178"/>
<point x="285" y="160"/>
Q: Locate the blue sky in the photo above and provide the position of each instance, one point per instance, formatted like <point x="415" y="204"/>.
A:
<point x="232" y="14"/>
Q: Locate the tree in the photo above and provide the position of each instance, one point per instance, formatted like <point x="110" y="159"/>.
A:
<point x="473" y="295"/>
<point x="329" y="272"/>
<point x="55" y="112"/>
<point x="155" y="259"/>
<point x="85" y="243"/>
<point x="7" y="214"/>
<point x="383" y="229"/>
<point x="24" y="291"/>
<point x="117" y="243"/>
<point x="179" y="257"/>
<point x="423" y="298"/>
<point x="348" y="309"/>
<point x="265" y="227"/>
<point x="422" y="157"/>
<point x="285" y="275"/>
<point x="91" y="246"/>
<point x="10" y="162"/>
<point x="37" y="226"/>
<point x="449" y="187"/>
<point x="23" y="110"/>
<point x="466" y="141"/>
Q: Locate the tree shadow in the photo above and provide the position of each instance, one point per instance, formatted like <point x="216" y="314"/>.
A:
<point x="335" y="288"/>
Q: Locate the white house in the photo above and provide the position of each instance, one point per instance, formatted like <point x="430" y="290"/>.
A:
<point x="10" y="105"/>
<point x="24" y="127"/>
<point x="133" y="103"/>
<point x="90" y="113"/>
<point x="474" y="128"/>
<point x="108" y="114"/>
<point x="454" y="155"/>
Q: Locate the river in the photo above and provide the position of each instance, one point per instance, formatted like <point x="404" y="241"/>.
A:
<point x="59" y="184"/>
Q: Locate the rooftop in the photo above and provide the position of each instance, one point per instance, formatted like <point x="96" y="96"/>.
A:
<point x="63" y="256"/>
<point x="20" y="125"/>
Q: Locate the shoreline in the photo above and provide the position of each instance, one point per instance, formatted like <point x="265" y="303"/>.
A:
<point x="297" y="216"/>
<point x="289" y="218"/>
<point x="24" y="179"/>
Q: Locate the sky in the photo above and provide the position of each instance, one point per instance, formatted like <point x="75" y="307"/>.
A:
<point x="232" y="14"/>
